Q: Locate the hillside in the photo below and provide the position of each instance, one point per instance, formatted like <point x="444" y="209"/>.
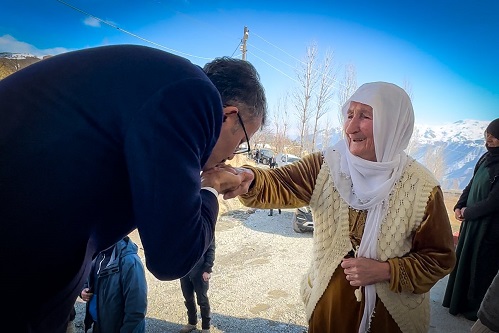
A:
<point x="12" y="62"/>
<point x="451" y="151"/>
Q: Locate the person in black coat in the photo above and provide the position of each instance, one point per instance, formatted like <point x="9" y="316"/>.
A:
<point x="272" y="162"/>
<point x="478" y="244"/>
<point x="98" y="142"/>
<point x="196" y="284"/>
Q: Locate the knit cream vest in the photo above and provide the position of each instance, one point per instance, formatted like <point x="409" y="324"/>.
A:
<point x="331" y="242"/>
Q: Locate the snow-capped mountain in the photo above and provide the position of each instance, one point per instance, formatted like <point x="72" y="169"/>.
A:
<point x="18" y="56"/>
<point x="462" y="130"/>
<point x="450" y="151"/>
<point x="12" y="62"/>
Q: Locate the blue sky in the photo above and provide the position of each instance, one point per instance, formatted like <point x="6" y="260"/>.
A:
<point x="448" y="50"/>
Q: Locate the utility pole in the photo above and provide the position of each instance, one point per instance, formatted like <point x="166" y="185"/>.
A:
<point x="245" y="38"/>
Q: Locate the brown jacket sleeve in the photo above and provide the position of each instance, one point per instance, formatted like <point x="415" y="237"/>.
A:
<point x="290" y="186"/>
<point x="433" y="253"/>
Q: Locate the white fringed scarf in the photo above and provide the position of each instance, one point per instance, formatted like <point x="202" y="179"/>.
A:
<point x="366" y="185"/>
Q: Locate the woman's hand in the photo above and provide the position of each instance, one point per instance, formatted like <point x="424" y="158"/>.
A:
<point x="459" y="214"/>
<point x="220" y="180"/>
<point x="364" y="271"/>
<point x="247" y="177"/>
<point x="231" y="181"/>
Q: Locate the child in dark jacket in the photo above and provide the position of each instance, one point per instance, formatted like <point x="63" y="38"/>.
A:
<point x="116" y="290"/>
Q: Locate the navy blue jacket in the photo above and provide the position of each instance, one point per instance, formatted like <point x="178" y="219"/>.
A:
<point x="121" y="291"/>
<point x="93" y="144"/>
<point x="205" y="264"/>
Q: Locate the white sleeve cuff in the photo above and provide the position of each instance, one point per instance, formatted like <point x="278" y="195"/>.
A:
<point x="211" y="189"/>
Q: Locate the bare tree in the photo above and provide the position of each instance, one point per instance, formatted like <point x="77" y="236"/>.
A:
<point x="281" y="118"/>
<point x="307" y="78"/>
<point x="434" y="160"/>
<point x="347" y="87"/>
<point x="262" y="138"/>
<point x="276" y="123"/>
<point x="327" y="80"/>
<point x="327" y="132"/>
<point x="285" y="118"/>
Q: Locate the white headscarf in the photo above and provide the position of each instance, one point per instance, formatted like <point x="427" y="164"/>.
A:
<point x="366" y="185"/>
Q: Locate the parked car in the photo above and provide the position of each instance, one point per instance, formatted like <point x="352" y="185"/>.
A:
<point x="285" y="159"/>
<point x="302" y="220"/>
<point x="265" y="155"/>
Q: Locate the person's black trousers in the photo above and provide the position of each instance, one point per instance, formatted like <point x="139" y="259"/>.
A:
<point x="190" y="284"/>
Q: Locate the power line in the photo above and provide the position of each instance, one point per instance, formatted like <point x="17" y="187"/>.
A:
<point x="270" y="55"/>
<point x="274" y="67"/>
<point x="192" y="55"/>
<point x="295" y="80"/>
<point x="290" y="55"/>
<point x="130" y="33"/>
<point x="277" y="47"/>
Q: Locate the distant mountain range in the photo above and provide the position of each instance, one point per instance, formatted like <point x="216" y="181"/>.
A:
<point x="19" y="56"/>
<point x="12" y="62"/>
<point x="450" y="151"/>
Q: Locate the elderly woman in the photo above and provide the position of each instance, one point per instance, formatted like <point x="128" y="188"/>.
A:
<point x="382" y="236"/>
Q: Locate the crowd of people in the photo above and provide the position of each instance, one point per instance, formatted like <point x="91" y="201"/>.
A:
<point x="86" y="158"/>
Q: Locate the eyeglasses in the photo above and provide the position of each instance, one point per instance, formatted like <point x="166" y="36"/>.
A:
<point x="245" y="146"/>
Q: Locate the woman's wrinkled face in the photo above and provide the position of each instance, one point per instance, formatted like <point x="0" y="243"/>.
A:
<point x="358" y="128"/>
<point x="491" y="140"/>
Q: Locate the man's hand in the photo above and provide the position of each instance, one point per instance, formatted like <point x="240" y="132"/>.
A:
<point x="206" y="276"/>
<point x="364" y="271"/>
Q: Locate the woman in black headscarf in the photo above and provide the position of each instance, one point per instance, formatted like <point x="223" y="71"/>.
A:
<point x="478" y="246"/>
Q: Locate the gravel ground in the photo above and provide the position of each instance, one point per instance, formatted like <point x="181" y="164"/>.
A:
<point x="259" y="261"/>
